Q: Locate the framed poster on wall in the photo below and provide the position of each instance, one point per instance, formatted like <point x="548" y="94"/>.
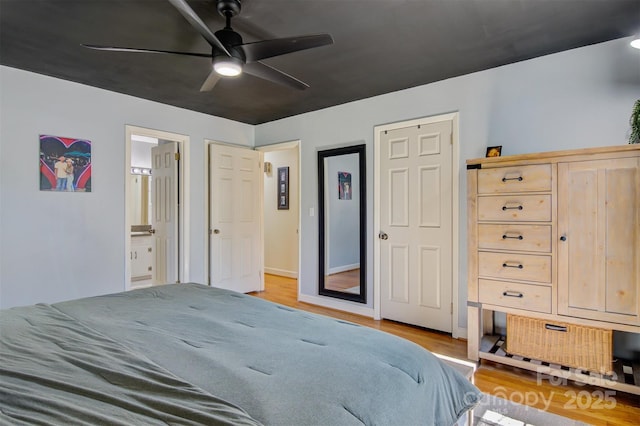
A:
<point x="65" y="164"/>
<point x="283" y="188"/>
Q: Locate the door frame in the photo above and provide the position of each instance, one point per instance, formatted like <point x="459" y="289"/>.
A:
<point x="457" y="332"/>
<point x="281" y="146"/>
<point x="184" y="254"/>
<point x="207" y="215"/>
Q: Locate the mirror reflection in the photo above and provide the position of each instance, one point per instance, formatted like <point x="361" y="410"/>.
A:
<point x="341" y="177"/>
<point x="140" y="199"/>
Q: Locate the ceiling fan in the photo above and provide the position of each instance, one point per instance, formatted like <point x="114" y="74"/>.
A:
<point x="230" y="56"/>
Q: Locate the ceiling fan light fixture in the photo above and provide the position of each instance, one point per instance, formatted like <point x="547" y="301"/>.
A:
<point x="227" y="66"/>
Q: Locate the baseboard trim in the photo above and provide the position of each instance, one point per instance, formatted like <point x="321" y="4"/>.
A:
<point x="336" y="304"/>
<point x="459" y="333"/>
<point x="281" y="272"/>
<point x="343" y="268"/>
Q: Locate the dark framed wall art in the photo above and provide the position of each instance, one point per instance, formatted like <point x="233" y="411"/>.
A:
<point x="283" y="188"/>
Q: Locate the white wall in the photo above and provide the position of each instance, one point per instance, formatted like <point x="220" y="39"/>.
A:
<point x="57" y="246"/>
<point x="575" y="99"/>
<point x="60" y="246"/>
<point x="141" y="154"/>
<point x="281" y="226"/>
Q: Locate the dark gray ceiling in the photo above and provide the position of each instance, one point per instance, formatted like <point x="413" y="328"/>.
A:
<point x="380" y="46"/>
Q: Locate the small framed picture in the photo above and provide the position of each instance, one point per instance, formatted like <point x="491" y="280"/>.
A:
<point x="65" y="164"/>
<point x="494" y="151"/>
<point x="344" y="185"/>
<point x="283" y="188"/>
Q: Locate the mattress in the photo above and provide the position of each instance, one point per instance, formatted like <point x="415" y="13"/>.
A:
<point x="193" y="354"/>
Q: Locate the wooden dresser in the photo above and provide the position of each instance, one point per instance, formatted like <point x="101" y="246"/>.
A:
<point x="555" y="236"/>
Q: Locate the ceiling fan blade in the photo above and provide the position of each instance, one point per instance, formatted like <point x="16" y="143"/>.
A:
<point x="266" y="72"/>
<point x="197" y="23"/>
<point x="138" y="50"/>
<point x="269" y="48"/>
<point x="210" y="82"/>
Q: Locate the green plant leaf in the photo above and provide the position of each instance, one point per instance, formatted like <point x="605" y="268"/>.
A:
<point x="634" y="121"/>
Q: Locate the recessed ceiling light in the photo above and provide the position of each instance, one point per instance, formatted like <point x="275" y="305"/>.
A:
<point x="636" y="42"/>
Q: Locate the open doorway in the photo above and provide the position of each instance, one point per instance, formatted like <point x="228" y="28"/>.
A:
<point x="279" y="244"/>
<point x="282" y="217"/>
<point x="156" y="191"/>
<point x="234" y="213"/>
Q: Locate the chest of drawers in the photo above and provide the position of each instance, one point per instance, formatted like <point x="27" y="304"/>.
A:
<point x="514" y="257"/>
<point x="554" y="236"/>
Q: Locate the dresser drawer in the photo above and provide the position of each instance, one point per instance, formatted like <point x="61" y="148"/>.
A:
<point x="532" y="178"/>
<point x="515" y="295"/>
<point x="514" y="237"/>
<point x="534" y="208"/>
<point x="513" y="266"/>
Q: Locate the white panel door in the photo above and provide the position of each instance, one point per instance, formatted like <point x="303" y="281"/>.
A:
<point x="235" y="237"/>
<point x="164" y="193"/>
<point x="416" y="226"/>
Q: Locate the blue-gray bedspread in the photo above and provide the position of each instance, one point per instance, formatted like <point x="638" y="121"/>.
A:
<point x="192" y="354"/>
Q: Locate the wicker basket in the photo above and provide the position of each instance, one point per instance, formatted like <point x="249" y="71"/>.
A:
<point x="571" y="345"/>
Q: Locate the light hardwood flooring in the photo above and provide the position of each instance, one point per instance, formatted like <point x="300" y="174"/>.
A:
<point x="343" y="280"/>
<point x="587" y="404"/>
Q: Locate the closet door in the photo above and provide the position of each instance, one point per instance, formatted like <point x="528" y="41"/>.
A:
<point x="416" y="252"/>
<point x="599" y="240"/>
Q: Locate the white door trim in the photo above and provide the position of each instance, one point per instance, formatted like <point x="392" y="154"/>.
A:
<point x="455" y="170"/>
<point x="285" y="146"/>
<point x="184" y="208"/>
<point x="207" y="224"/>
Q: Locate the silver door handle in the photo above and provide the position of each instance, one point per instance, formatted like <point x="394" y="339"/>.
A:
<point x="383" y="235"/>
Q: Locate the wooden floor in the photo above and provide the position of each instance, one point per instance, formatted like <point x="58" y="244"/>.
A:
<point x="343" y="280"/>
<point x="587" y="404"/>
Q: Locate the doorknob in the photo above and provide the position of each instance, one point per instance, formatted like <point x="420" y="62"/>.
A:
<point x="383" y="235"/>
<point x="216" y="231"/>
<point x="152" y="231"/>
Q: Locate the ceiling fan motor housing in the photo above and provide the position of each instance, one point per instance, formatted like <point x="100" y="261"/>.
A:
<point x="229" y="39"/>
<point x="229" y="8"/>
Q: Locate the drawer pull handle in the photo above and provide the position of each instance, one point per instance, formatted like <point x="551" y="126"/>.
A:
<point x="519" y="237"/>
<point x="506" y="265"/>
<point x="519" y="179"/>
<point x="555" y="328"/>
<point x="512" y="208"/>
<point x="512" y="294"/>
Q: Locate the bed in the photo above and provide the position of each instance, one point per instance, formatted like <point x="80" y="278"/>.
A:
<point x="189" y="354"/>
